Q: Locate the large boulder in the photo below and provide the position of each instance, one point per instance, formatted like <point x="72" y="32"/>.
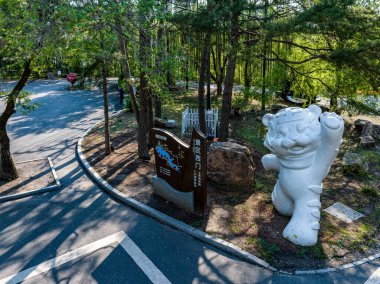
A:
<point x="367" y="141"/>
<point x="373" y="130"/>
<point x="163" y="123"/>
<point x="231" y="164"/>
<point x="354" y="164"/>
<point x="359" y="124"/>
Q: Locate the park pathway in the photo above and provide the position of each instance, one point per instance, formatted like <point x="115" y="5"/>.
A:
<point x="80" y="234"/>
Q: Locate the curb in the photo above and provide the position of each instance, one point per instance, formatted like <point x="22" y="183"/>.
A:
<point x="36" y="191"/>
<point x="196" y="233"/>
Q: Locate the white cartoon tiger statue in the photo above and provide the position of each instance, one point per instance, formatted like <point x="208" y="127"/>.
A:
<point x="304" y="144"/>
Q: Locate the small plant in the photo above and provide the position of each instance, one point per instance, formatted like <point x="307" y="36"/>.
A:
<point x="239" y="99"/>
<point x="369" y="190"/>
<point x="317" y="251"/>
<point x="197" y="224"/>
<point x="253" y="134"/>
<point x="302" y="252"/>
<point x="267" y="250"/>
<point x="127" y="104"/>
<point x="251" y="240"/>
<point x="235" y="226"/>
<point x="235" y="198"/>
<point x="355" y="164"/>
<point x="340" y="243"/>
<point x="260" y="184"/>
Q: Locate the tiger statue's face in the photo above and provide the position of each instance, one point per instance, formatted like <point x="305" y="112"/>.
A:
<point x="293" y="132"/>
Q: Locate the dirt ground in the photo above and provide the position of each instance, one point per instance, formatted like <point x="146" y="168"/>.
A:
<point x="32" y="175"/>
<point x="246" y="217"/>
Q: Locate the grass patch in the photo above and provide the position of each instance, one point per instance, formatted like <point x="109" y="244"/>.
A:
<point x="267" y="250"/>
<point x="235" y="198"/>
<point x="316" y="251"/>
<point x="369" y="190"/>
<point x="251" y="132"/>
<point x="196" y="224"/>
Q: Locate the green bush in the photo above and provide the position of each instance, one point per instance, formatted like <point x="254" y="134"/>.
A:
<point x="369" y="190"/>
<point x="127" y="105"/>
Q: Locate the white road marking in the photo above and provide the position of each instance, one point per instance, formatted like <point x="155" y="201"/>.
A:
<point x="143" y="262"/>
<point x="374" y="278"/>
<point x="151" y="271"/>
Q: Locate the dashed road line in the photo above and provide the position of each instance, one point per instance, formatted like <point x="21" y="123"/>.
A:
<point x="147" y="266"/>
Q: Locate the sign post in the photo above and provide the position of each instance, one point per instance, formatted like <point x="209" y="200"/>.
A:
<point x="181" y="169"/>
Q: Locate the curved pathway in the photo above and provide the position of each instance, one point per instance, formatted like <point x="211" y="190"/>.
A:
<point x="80" y="234"/>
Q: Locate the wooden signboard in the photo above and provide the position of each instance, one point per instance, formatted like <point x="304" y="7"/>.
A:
<point x="183" y="167"/>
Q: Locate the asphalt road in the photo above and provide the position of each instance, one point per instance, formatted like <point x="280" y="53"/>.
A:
<point x="80" y="234"/>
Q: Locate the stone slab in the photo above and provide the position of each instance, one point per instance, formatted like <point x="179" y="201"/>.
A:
<point x="344" y="213"/>
<point x="184" y="200"/>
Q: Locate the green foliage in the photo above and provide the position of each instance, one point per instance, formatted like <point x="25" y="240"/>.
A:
<point x="267" y="251"/>
<point x="356" y="171"/>
<point x="325" y="48"/>
<point x="315" y="251"/>
<point x="369" y="190"/>
<point x="252" y="133"/>
<point x="23" y="101"/>
<point x="127" y="105"/>
<point x="331" y="47"/>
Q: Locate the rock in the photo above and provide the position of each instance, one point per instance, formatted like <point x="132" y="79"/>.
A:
<point x="159" y="122"/>
<point x="340" y="252"/>
<point x="359" y="124"/>
<point x="171" y="123"/>
<point x="367" y="141"/>
<point x="276" y="108"/>
<point x="230" y="164"/>
<point x="354" y="164"/>
<point x="373" y="130"/>
<point x="162" y="123"/>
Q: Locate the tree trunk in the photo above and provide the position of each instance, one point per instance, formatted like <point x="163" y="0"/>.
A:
<point x="157" y="106"/>
<point x="229" y="80"/>
<point x="219" y="87"/>
<point x="208" y="77"/>
<point x="201" y="84"/>
<point x="150" y="116"/>
<point x="125" y="65"/>
<point x="143" y="126"/>
<point x="8" y="169"/>
<point x="247" y="75"/>
<point x="107" y="140"/>
<point x="169" y="76"/>
<point x="334" y="101"/>
<point x="334" y="95"/>
<point x="218" y="66"/>
<point x="263" y="89"/>
<point x="160" y="57"/>
<point x="187" y="74"/>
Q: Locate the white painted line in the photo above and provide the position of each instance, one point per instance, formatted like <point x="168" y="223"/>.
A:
<point x="144" y="262"/>
<point x="29" y="161"/>
<point x="6" y="198"/>
<point x="54" y="172"/>
<point x="54" y="262"/>
<point x="129" y="246"/>
<point x="374" y="278"/>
